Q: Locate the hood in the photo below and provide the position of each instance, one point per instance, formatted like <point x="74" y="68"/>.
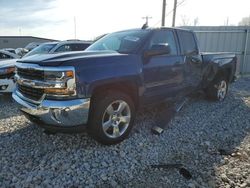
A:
<point x="8" y="63"/>
<point x="57" y="59"/>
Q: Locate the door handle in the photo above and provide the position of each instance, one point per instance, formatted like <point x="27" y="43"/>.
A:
<point x="195" y="60"/>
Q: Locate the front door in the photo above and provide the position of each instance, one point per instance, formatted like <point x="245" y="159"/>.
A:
<point x="163" y="74"/>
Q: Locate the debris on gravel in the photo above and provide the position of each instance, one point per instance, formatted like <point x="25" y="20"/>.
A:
<point x="210" y="141"/>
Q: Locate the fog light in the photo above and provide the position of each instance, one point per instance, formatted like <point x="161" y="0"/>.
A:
<point x="4" y="87"/>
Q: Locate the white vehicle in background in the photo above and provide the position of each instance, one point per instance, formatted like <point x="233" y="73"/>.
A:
<point x="11" y="50"/>
<point x="5" y="55"/>
<point x="21" y="51"/>
<point x="32" y="45"/>
<point x="7" y="72"/>
<point x="7" y="67"/>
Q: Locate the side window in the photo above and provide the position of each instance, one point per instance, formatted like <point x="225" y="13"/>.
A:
<point x="63" y="48"/>
<point x="5" y="56"/>
<point x="164" y="37"/>
<point x="78" y="47"/>
<point x="188" y="43"/>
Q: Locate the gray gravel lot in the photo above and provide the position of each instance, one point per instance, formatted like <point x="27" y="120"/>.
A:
<point x="210" y="140"/>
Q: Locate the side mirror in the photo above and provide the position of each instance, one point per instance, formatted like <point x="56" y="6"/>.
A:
<point x="158" y="49"/>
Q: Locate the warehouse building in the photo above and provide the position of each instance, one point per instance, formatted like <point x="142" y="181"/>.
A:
<point x="20" y="41"/>
<point x="233" y="39"/>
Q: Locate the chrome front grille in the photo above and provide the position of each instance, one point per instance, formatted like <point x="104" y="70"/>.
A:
<point x="32" y="93"/>
<point x="35" y="82"/>
<point x="31" y="74"/>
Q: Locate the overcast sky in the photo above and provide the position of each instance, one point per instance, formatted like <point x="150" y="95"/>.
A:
<point x="55" y="18"/>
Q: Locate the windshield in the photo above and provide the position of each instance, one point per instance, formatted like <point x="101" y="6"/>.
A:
<point x="42" y="49"/>
<point x="122" y="42"/>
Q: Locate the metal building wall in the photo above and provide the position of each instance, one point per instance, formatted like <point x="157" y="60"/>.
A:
<point x="235" y="39"/>
<point x="19" y="41"/>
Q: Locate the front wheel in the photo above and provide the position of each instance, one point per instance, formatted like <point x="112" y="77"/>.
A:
<point x="218" y="89"/>
<point x="111" y="117"/>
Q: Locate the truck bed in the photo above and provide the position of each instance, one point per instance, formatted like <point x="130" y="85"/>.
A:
<point x="215" y="62"/>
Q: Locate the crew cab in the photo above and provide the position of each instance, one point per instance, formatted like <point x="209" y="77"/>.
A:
<point x="101" y="88"/>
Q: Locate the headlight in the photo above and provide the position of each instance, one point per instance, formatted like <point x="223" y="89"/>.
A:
<point x="8" y="70"/>
<point x="58" y="76"/>
<point x="64" y="82"/>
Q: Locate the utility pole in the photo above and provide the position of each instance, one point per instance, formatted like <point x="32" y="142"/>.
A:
<point x="75" y="25"/>
<point x="174" y="13"/>
<point x="163" y="13"/>
<point x="146" y="18"/>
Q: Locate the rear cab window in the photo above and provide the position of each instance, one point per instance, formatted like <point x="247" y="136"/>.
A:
<point x="187" y="42"/>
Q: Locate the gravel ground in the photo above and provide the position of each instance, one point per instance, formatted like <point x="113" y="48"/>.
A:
<point x="207" y="144"/>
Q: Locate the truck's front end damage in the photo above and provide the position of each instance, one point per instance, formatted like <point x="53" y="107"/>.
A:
<point x="48" y="95"/>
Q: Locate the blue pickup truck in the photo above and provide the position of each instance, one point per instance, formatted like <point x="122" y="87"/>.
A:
<point x="102" y="87"/>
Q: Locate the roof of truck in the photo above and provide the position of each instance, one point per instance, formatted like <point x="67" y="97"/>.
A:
<point x="157" y="28"/>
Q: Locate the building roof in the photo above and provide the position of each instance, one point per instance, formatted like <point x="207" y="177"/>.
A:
<point x="26" y="37"/>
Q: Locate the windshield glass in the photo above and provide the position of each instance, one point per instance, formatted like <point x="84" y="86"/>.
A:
<point x="42" y="49"/>
<point x="122" y="42"/>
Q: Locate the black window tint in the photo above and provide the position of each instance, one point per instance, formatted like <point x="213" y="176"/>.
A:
<point x="164" y="37"/>
<point x="64" y="48"/>
<point x="78" y="47"/>
<point x="187" y="41"/>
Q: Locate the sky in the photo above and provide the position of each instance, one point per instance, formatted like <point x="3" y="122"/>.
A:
<point x="54" y="19"/>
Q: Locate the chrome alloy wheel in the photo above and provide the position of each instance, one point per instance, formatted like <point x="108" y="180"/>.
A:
<point x="222" y="90"/>
<point x="116" y="119"/>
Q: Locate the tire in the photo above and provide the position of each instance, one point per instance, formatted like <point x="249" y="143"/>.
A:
<point x="111" y="117"/>
<point x="218" y="89"/>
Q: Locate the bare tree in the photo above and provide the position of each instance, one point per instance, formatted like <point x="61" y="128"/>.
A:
<point x="185" y="20"/>
<point x="196" y="21"/>
<point x="245" y="21"/>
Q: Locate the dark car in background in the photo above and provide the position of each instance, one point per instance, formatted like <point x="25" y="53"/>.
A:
<point x="60" y="46"/>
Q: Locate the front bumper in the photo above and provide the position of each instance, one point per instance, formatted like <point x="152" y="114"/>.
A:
<point x="63" y="114"/>
<point x="7" y="85"/>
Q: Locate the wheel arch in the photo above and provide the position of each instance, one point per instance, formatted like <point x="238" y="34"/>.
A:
<point x="130" y="88"/>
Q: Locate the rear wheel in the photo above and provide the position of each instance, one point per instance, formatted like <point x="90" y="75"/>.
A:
<point x="111" y="117"/>
<point x="218" y="89"/>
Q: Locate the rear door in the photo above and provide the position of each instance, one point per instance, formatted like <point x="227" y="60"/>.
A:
<point x="192" y="60"/>
<point x="163" y="74"/>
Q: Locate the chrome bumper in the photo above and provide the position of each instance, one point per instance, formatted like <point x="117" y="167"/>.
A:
<point x="60" y="113"/>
